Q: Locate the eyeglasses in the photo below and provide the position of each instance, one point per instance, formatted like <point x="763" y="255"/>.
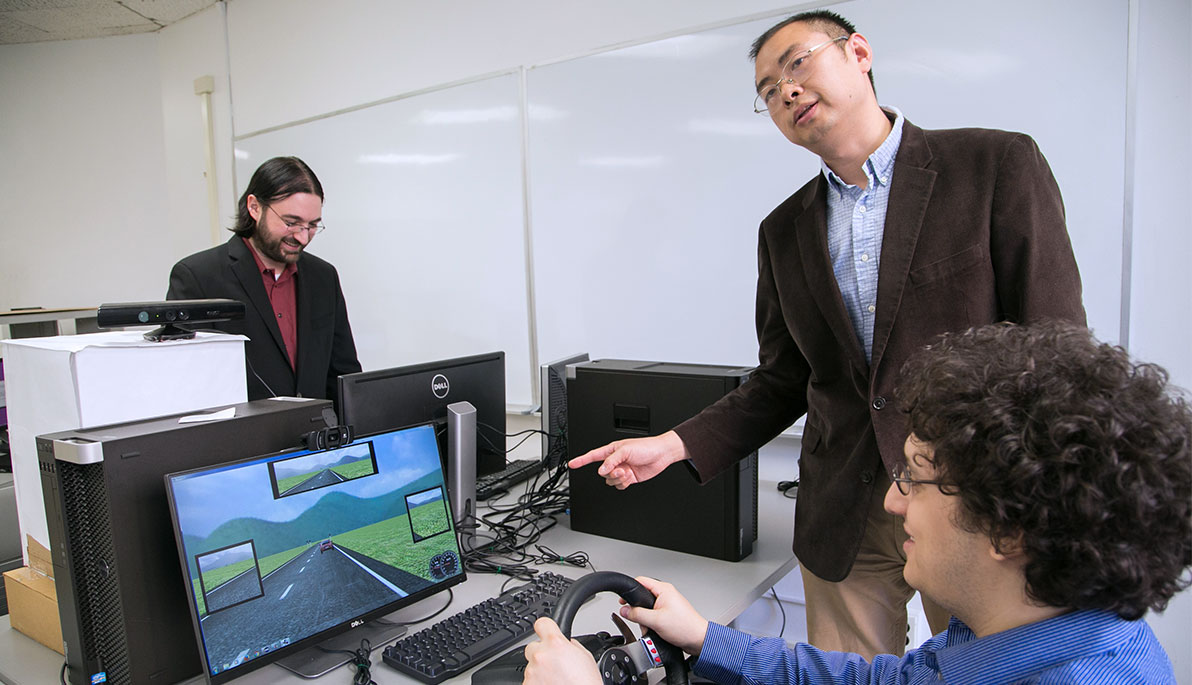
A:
<point x="795" y="71"/>
<point x="294" y="226"/>
<point x="901" y="477"/>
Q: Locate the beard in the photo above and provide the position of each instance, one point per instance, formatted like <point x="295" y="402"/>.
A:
<point x="271" y="247"/>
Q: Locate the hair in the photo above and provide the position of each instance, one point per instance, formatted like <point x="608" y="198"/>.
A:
<point x="1060" y="447"/>
<point x="831" y="23"/>
<point x="273" y="181"/>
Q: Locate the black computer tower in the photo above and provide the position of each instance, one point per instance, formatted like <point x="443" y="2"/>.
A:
<point x="613" y="399"/>
<point x="121" y="595"/>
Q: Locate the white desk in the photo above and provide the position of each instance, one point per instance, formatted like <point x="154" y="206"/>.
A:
<point x="720" y="590"/>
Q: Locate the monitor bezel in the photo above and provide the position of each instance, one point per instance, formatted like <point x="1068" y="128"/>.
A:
<point x="491" y="446"/>
<point x="328" y="633"/>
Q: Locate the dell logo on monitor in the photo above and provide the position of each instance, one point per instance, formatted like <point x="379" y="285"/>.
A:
<point x="440" y="386"/>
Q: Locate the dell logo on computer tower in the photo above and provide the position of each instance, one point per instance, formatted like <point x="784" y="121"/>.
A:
<point x="440" y="386"/>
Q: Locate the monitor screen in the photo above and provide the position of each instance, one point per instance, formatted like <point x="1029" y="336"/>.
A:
<point x="284" y="550"/>
<point x="373" y="401"/>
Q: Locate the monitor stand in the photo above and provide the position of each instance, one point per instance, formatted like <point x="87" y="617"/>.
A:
<point x="328" y="655"/>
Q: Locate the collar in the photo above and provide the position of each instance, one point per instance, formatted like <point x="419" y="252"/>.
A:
<point x="1015" y="654"/>
<point x="879" y="166"/>
<point x="290" y="269"/>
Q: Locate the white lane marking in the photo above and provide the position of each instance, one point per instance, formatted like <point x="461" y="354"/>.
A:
<point x="302" y="569"/>
<point x="400" y="592"/>
<point x="229" y="580"/>
<point x="283" y="595"/>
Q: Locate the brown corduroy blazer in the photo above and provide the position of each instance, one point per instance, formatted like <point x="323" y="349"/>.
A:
<point x="974" y="234"/>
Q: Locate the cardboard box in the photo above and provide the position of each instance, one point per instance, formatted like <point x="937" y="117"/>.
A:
<point x="39" y="557"/>
<point x="74" y="381"/>
<point x="33" y="606"/>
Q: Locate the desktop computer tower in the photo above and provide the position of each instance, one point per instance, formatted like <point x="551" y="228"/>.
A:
<point x="121" y="595"/>
<point x="613" y="399"/>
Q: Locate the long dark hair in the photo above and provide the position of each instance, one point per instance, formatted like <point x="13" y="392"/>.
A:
<point x="275" y="180"/>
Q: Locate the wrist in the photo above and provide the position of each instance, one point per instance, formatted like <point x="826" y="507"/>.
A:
<point x="676" y="451"/>
<point x="697" y="643"/>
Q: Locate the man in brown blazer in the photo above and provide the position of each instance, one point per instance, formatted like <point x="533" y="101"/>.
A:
<point x="906" y="234"/>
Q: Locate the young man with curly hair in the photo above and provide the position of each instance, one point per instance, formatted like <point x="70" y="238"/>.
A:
<point x="1046" y="495"/>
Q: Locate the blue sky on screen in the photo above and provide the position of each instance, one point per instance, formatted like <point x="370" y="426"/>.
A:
<point x="204" y="502"/>
<point x="424" y="497"/>
<point x="319" y="460"/>
<point x="224" y="557"/>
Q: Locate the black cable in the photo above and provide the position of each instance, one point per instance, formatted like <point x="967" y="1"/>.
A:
<point x="782" y="630"/>
<point x="359" y="659"/>
<point x="509" y="531"/>
<point x="549" y="556"/>
<point x="789" y="488"/>
<point x="387" y="622"/>
<point x="62" y="675"/>
<point x="529" y="432"/>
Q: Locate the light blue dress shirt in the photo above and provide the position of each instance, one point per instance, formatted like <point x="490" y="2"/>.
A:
<point x="1085" y="647"/>
<point x="856" y="223"/>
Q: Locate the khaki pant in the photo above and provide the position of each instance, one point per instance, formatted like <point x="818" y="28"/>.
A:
<point x="866" y="612"/>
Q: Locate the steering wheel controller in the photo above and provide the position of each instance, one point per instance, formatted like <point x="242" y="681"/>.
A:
<point x="628" y="662"/>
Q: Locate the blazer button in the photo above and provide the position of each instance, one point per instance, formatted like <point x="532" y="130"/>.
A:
<point x="867" y="478"/>
<point x="879" y="403"/>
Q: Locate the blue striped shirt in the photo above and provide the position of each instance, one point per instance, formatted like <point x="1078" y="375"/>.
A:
<point x="856" y="222"/>
<point x="1087" y="647"/>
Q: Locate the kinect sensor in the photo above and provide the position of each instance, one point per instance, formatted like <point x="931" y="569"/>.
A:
<point x="168" y="315"/>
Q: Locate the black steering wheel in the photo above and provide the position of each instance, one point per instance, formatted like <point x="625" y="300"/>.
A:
<point x="625" y="663"/>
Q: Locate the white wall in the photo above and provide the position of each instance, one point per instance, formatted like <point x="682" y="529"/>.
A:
<point x="1161" y="297"/>
<point x="82" y="161"/>
<point x="372" y="49"/>
<point x="186" y="51"/>
<point x="101" y="146"/>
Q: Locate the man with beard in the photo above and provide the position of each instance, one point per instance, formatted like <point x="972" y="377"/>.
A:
<point x="296" y="320"/>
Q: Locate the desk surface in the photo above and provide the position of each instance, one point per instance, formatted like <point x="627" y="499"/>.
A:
<point x="720" y="590"/>
<point x="15" y="316"/>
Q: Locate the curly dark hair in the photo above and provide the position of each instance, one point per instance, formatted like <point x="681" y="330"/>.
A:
<point x="1060" y="446"/>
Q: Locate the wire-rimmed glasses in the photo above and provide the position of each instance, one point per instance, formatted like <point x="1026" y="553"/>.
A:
<point x="294" y="226"/>
<point x="794" y="71"/>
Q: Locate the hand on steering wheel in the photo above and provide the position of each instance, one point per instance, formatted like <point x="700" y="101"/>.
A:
<point x="625" y="663"/>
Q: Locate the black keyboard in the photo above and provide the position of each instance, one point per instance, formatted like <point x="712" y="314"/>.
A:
<point x="462" y="641"/>
<point x="499" y="483"/>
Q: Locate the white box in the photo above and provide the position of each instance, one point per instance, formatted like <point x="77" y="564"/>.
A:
<point x="79" y="381"/>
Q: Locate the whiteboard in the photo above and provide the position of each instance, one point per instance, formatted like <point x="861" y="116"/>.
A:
<point x="639" y="178"/>
<point x="649" y="172"/>
<point x="425" y="222"/>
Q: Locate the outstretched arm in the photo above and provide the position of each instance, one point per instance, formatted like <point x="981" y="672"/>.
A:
<point x="626" y="462"/>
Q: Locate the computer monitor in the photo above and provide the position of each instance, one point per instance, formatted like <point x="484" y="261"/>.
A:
<point x="554" y="409"/>
<point x="374" y="401"/>
<point x="286" y="550"/>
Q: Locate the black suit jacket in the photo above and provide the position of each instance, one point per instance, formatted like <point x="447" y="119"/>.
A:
<point x="325" y="345"/>
<point x="974" y="234"/>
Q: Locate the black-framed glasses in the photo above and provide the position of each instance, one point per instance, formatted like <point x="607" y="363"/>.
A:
<point x="901" y="477"/>
<point x="795" y="70"/>
<point x="294" y="226"/>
